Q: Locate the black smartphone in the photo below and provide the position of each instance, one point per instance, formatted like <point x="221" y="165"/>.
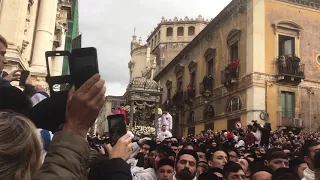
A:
<point x="58" y="82"/>
<point x="117" y="127"/>
<point x="317" y="160"/>
<point x="23" y="77"/>
<point x="83" y="65"/>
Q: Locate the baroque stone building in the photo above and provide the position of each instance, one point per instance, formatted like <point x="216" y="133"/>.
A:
<point x="33" y="27"/>
<point x="164" y="43"/>
<point x="256" y="60"/>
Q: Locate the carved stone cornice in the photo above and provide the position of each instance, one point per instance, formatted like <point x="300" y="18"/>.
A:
<point x="312" y="4"/>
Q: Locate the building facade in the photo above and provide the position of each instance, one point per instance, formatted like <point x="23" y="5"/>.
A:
<point x="31" y="28"/>
<point x="164" y="43"/>
<point x="257" y="60"/>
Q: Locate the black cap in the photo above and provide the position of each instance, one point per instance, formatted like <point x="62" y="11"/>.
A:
<point x="188" y="151"/>
<point x="166" y="161"/>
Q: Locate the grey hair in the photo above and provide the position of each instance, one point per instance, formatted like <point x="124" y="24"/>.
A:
<point x="20" y="147"/>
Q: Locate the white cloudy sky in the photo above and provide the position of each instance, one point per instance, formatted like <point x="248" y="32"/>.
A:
<point x="108" y="25"/>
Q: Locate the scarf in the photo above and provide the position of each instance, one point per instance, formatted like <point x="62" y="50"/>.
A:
<point x="308" y="174"/>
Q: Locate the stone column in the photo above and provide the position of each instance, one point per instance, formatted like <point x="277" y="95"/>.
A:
<point x="44" y="33"/>
<point x="57" y="62"/>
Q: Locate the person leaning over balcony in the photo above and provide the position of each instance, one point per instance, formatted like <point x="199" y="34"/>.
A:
<point x="234" y="66"/>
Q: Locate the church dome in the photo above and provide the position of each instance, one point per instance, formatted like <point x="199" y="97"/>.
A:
<point x="144" y="84"/>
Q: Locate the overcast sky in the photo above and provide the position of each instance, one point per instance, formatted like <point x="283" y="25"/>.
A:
<point x="108" y="25"/>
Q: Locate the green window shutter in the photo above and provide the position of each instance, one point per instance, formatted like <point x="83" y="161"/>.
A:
<point x="283" y="104"/>
<point x="290" y="104"/>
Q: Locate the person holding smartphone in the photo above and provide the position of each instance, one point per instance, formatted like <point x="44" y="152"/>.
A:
<point x="6" y="78"/>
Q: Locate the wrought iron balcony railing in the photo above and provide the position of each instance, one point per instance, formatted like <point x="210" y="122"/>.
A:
<point x="230" y="75"/>
<point x="290" y="68"/>
<point x="206" y="86"/>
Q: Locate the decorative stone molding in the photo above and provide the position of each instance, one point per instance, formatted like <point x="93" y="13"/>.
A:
<point x="209" y="54"/>
<point x="131" y="64"/>
<point x="233" y="36"/>
<point x="169" y="84"/>
<point x="24" y="45"/>
<point x="288" y="27"/>
<point x="28" y="17"/>
<point x="192" y="66"/>
<point x="179" y="69"/>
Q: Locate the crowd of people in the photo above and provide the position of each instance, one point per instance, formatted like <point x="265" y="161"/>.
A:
<point x="45" y="137"/>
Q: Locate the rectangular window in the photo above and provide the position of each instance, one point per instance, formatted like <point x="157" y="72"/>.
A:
<point x="180" y="31"/>
<point x="193" y="79"/>
<point x="191" y="31"/>
<point x="286" y="45"/>
<point x="287" y="105"/>
<point x="210" y="67"/>
<point x="169" y="31"/>
<point x="234" y="51"/>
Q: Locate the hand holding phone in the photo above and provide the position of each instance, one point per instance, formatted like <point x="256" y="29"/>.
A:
<point x="117" y="127"/>
<point x="122" y="149"/>
<point x="83" y="65"/>
<point x="23" y="77"/>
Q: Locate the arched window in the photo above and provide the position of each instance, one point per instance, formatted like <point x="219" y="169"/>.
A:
<point x="180" y="31"/>
<point x="208" y="112"/>
<point x="169" y="31"/>
<point x="191" y="31"/>
<point x="234" y="105"/>
<point x="192" y="117"/>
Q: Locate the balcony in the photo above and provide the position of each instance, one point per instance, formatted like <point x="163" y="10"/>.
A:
<point x="290" y="69"/>
<point x="230" y="75"/>
<point x="206" y="86"/>
<point x="177" y="99"/>
<point x="190" y="94"/>
<point x="290" y="120"/>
